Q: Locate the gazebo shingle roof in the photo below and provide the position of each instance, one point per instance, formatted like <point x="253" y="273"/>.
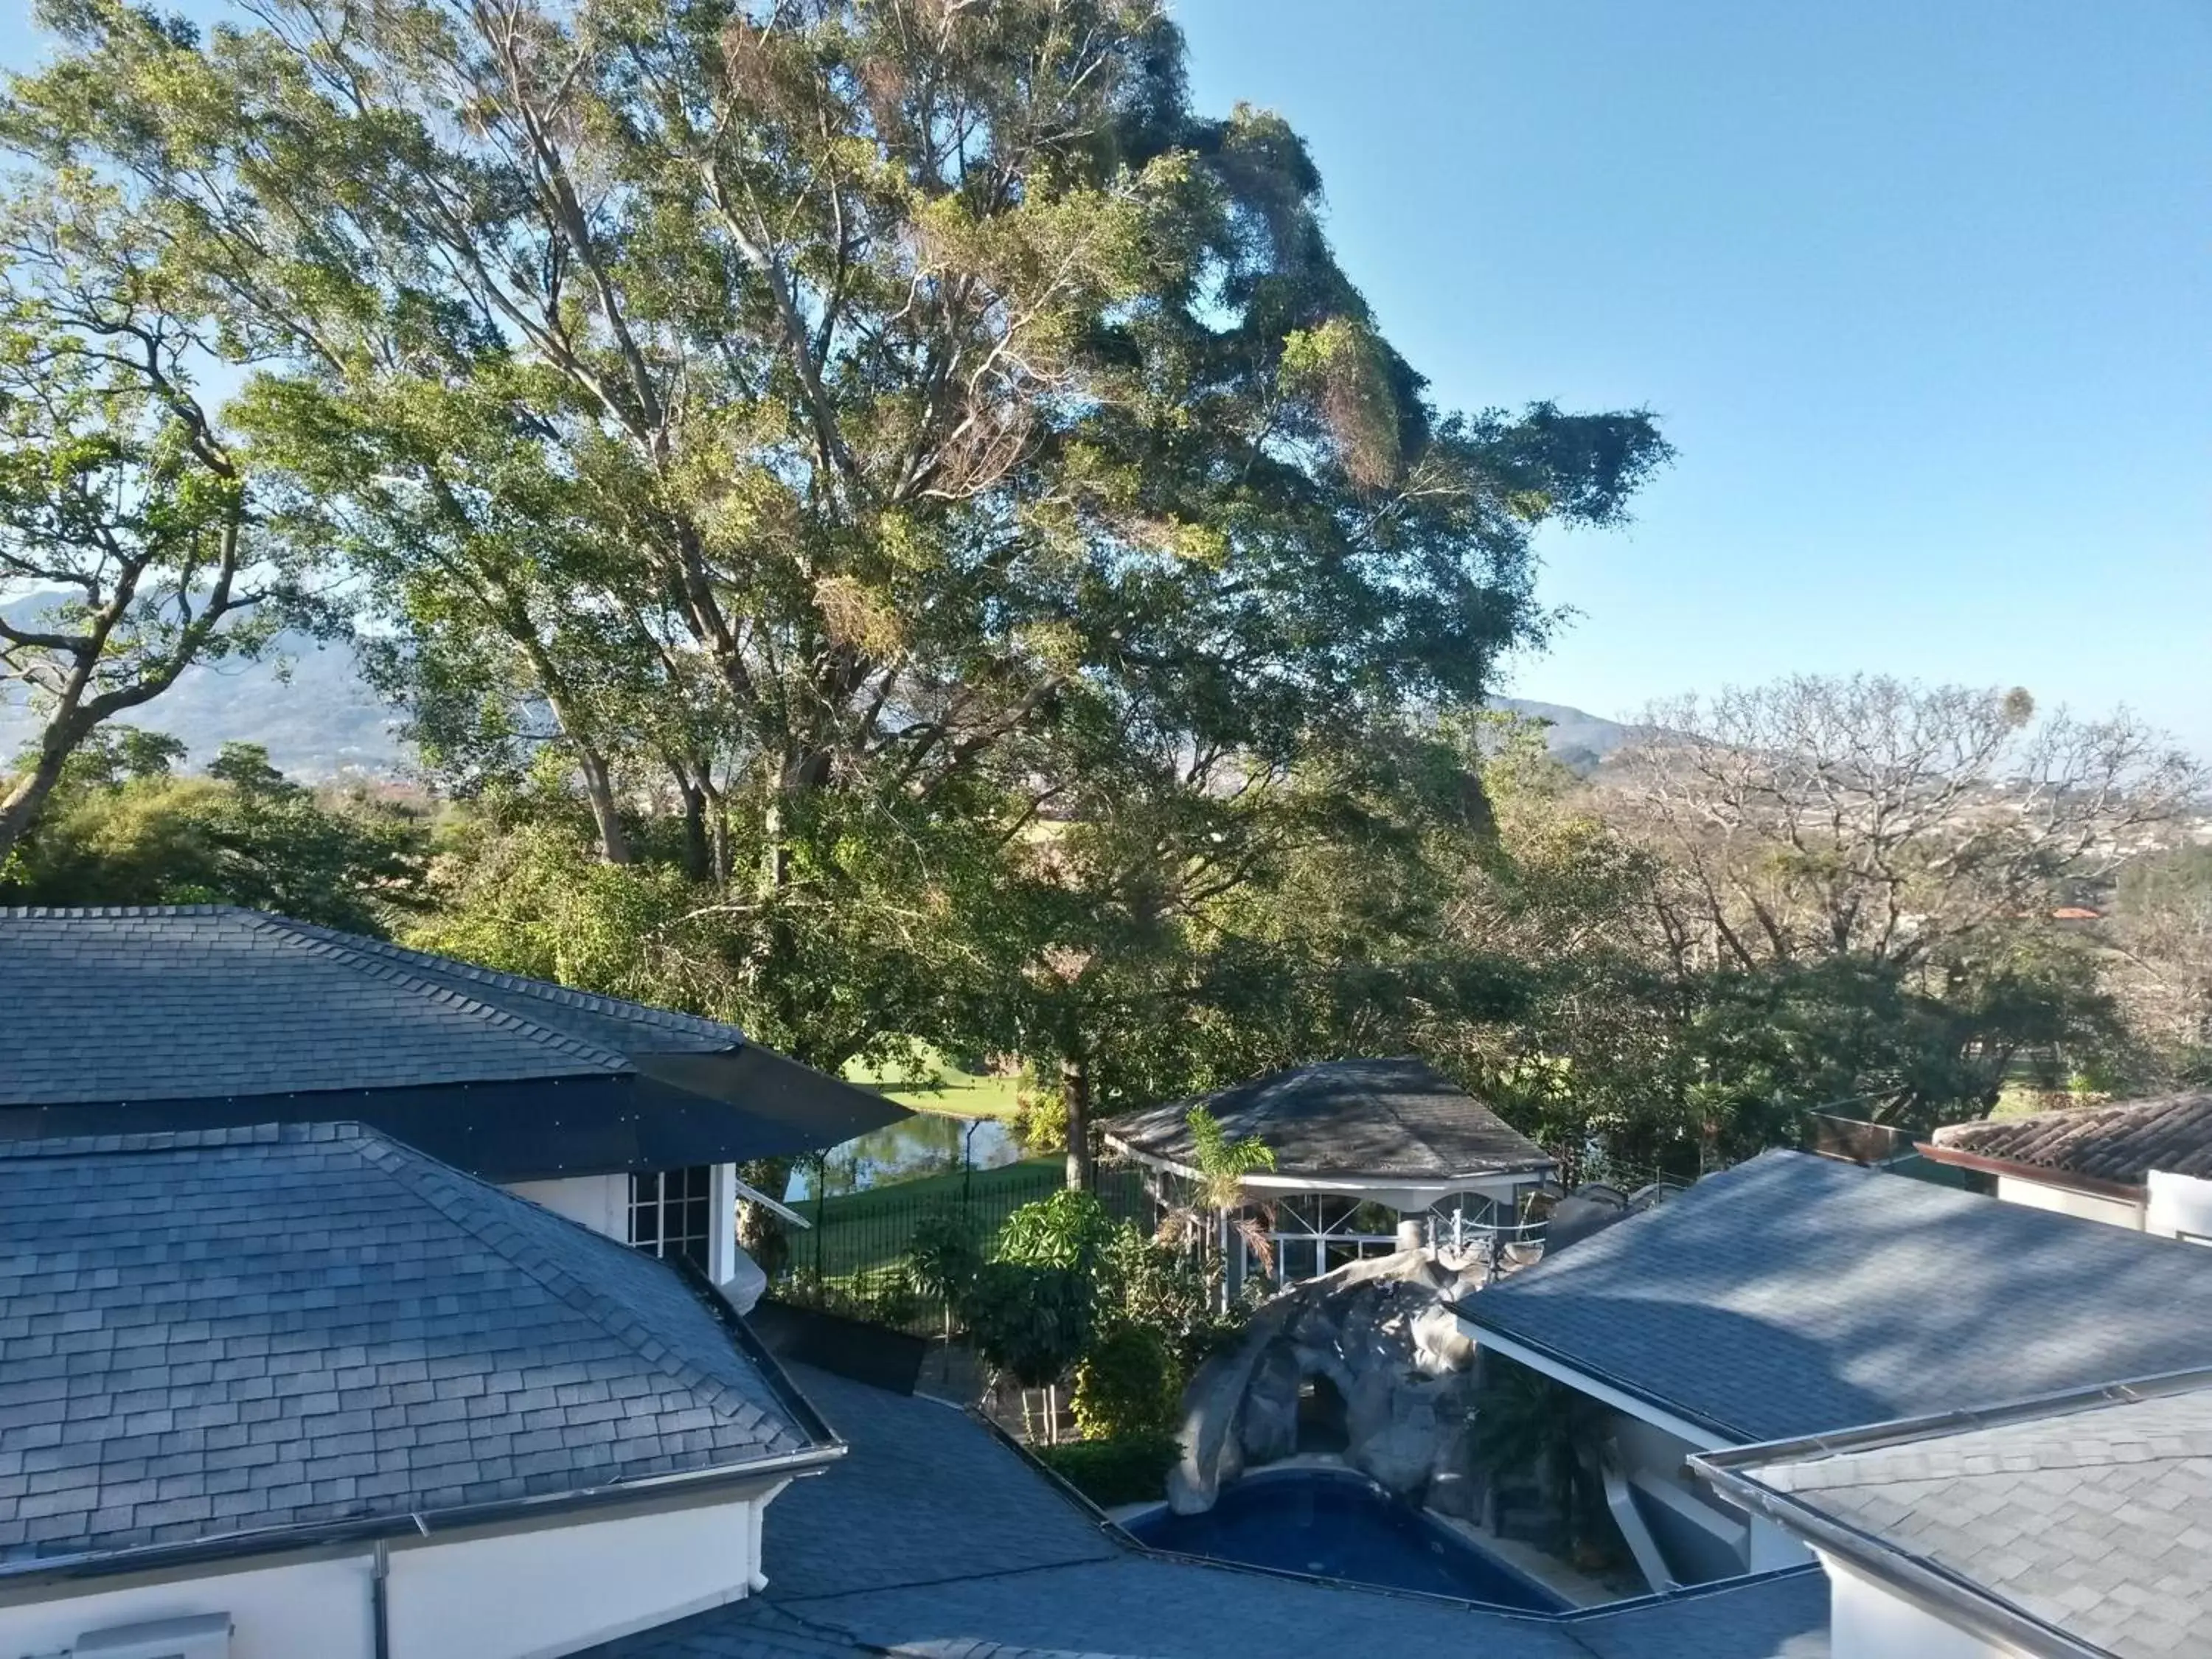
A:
<point x="1348" y="1117"/>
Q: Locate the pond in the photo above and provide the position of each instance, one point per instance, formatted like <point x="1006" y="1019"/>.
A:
<point x="1335" y="1524"/>
<point x="927" y="1143"/>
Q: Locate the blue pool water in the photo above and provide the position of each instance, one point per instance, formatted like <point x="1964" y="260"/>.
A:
<point x="1337" y="1525"/>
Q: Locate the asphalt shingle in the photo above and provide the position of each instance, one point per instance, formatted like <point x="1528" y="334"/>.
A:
<point x="2091" y="1518"/>
<point x="192" y="1001"/>
<point x="1793" y="1295"/>
<point x="1348" y="1117"/>
<point x="210" y="1332"/>
<point x="933" y="1540"/>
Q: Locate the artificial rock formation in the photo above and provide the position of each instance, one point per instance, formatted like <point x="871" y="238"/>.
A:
<point x="1381" y="1335"/>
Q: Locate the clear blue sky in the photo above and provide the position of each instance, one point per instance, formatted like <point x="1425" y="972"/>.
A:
<point x="1922" y="294"/>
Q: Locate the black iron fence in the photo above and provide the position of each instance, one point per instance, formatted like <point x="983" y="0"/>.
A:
<point x="852" y="1258"/>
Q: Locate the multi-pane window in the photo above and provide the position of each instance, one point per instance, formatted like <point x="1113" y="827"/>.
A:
<point x="1314" y="1233"/>
<point x="671" y="1213"/>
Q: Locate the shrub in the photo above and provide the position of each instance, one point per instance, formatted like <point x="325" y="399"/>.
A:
<point x="943" y="1256"/>
<point x="1128" y="1384"/>
<point x="1029" y="1322"/>
<point x="1127" y="1469"/>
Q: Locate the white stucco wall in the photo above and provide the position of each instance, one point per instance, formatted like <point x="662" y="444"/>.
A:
<point x="530" y="1594"/>
<point x="2089" y="1207"/>
<point x="600" y="1202"/>
<point x="1868" y="1620"/>
<point x="2178" y="1205"/>
<point x="306" y="1606"/>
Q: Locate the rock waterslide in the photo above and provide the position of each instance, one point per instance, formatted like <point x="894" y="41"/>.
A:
<point x="1382" y="1334"/>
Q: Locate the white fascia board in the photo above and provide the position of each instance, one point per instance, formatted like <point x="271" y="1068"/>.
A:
<point x="1703" y="1439"/>
<point x="1488" y="1182"/>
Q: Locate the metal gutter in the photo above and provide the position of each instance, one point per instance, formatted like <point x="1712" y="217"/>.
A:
<point x="2043" y="1174"/>
<point x="1924" y="1582"/>
<point x="1898" y="1431"/>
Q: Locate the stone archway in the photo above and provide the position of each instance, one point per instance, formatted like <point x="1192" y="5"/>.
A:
<point x="1324" y="1420"/>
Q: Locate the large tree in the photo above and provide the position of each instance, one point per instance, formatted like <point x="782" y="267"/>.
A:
<point x="1859" y="878"/>
<point x="847" y="434"/>
<point x="130" y="545"/>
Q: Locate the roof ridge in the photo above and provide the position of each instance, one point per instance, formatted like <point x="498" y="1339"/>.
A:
<point x="549" y="990"/>
<point x="2149" y="1106"/>
<point x="176" y="1140"/>
<point x="346" y="948"/>
<point x="418" y="1172"/>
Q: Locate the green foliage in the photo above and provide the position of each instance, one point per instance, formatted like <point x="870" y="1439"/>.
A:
<point x="1069" y="1229"/>
<point x="922" y="507"/>
<point x="1528" y="1425"/>
<point x="1128" y="1384"/>
<point x="1128" y="1469"/>
<point x="1030" y="1321"/>
<point x="1223" y="1164"/>
<point x="943" y="1256"/>
<point x="1145" y="1283"/>
<point x="120" y="829"/>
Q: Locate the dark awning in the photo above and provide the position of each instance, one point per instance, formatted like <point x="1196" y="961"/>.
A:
<point x="675" y="1110"/>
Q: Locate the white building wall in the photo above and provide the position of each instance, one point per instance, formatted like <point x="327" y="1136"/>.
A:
<point x="2089" y="1207"/>
<point x="532" y="1595"/>
<point x="600" y="1202"/>
<point x="2181" y="1207"/>
<point x="307" y="1606"/>
<point x="1868" y="1620"/>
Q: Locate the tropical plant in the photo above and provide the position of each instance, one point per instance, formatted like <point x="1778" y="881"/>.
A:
<point x="1528" y="1425"/>
<point x="1217" y="1193"/>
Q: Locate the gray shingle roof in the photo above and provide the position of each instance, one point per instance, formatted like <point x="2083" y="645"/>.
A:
<point x="2120" y="1143"/>
<point x="934" y="1538"/>
<point x="178" y="1002"/>
<point x="2093" y="1517"/>
<point x="1344" y="1117"/>
<point x="1792" y="1295"/>
<point x="209" y="1333"/>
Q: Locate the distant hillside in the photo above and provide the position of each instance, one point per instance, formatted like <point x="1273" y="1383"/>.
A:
<point x="323" y="721"/>
<point x="1576" y="739"/>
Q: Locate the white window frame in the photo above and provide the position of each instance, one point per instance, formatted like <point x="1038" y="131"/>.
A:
<point x="689" y="1193"/>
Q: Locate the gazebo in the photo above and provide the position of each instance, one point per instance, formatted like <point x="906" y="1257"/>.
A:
<point x="1361" y="1147"/>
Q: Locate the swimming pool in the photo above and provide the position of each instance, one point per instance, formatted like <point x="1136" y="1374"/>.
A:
<point x="1337" y="1524"/>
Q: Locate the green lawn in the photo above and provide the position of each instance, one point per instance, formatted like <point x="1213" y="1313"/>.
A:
<point x="868" y="1231"/>
<point x="933" y="1083"/>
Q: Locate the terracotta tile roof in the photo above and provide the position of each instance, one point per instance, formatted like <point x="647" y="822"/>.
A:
<point x="2120" y="1143"/>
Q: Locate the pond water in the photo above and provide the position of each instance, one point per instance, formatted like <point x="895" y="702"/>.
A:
<point x="1336" y="1524"/>
<point x="928" y="1143"/>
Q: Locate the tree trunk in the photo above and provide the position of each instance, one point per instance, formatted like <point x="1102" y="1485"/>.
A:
<point x="598" y="789"/>
<point x="21" y="807"/>
<point x="698" y="851"/>
<point x="1075" y="1090"/>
